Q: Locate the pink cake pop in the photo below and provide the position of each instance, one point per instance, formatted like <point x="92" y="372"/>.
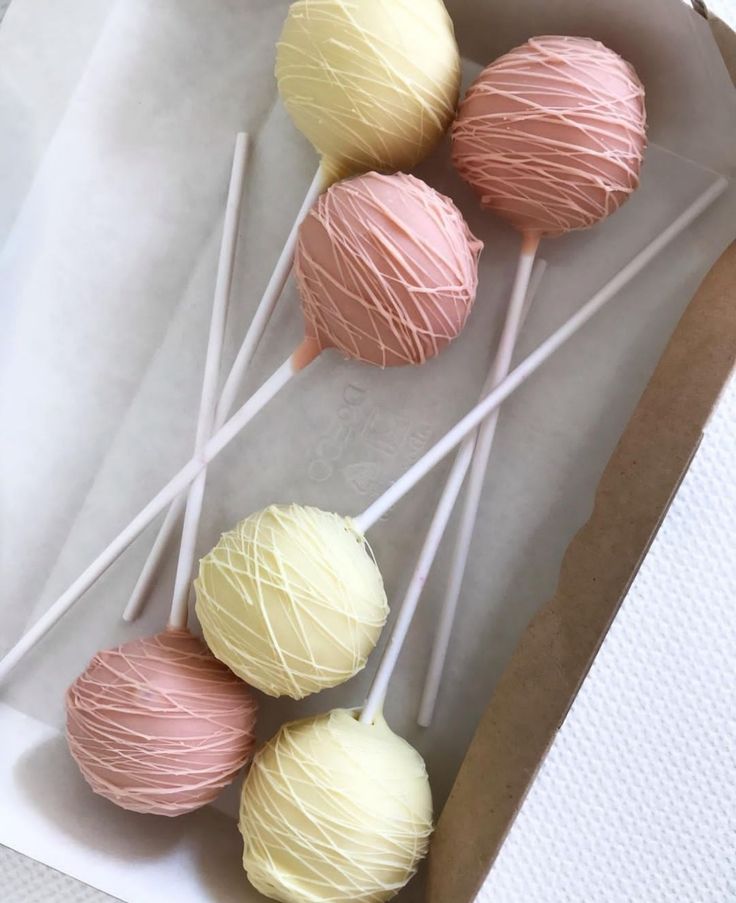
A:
<point x="387" y="270"/>
<point x="158" y="725"/>
<point x="552" y="134"/>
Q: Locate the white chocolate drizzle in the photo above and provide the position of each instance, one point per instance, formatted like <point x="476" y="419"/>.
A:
<point x="291" y="600"/>
<point x="334" y="811"/>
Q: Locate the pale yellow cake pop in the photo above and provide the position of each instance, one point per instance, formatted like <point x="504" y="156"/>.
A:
<point x="373" y="84"/>
<point x="335" y="810"/>
<point x="291" y="600"/>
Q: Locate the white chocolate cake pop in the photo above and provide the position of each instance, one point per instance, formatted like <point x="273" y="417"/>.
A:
<point x="372" y="84"/>
<point x="291" y="600"/>
<point x="335" y="811"/>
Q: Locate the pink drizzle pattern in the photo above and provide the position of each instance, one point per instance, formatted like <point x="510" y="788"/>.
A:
<point x="159" y="725"/>
<point x="387" y="270"/>
<point x="552" y="134"/>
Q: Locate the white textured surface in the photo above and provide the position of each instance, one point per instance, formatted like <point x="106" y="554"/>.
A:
<point x="637" y="798"/>
<point x="24" y="880"/>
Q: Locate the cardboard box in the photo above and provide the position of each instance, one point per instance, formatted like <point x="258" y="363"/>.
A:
<point x="550" y="663"/>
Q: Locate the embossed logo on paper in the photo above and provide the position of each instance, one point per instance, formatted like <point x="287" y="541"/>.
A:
<point x="376" y="434"/>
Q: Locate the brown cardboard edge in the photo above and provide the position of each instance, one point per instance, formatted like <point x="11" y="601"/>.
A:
<point x="556" y="651"/>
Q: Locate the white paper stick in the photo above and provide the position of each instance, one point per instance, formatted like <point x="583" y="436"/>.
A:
<point x="491" y="403"/>
<point x="477" y="466"/>
<point x="208" y="398"/>
<point x="232" y="384"/>
<point x="412" y="476"/>
<point x="499" y="368"/>
<point x="266" y="305"/>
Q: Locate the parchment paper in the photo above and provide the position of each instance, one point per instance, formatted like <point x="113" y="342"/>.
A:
<point x="106" y="279"/>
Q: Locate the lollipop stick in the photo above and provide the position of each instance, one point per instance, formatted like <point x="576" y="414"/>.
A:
<point x="304" y="354"/>
<point x="469" y="511"/>
<point x="518" y="304"/>
<point x="412" y="476"/>
<point x="266" y="305"/>
<point x="232" y="384"/>
<point x="223" y="282"/>
<point x="489" y="404"/>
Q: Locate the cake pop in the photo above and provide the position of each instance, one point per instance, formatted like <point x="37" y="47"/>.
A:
<point x="387" y="271"/>
<point x="158" y="725"/>
<point x="222" y="438"/>
<point x="551" y="136"/>
<point x="291" y="600"/>
<point x="335" y="810"/>
<point x="372" y="86"/>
